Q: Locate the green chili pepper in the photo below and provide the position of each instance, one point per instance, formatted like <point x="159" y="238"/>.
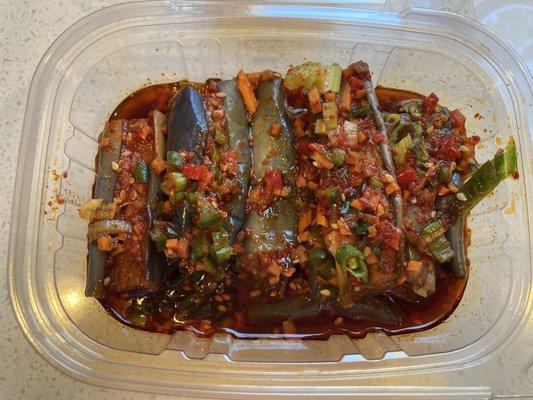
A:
<point x="220" y="239"/>
<point x="332" y="194"/>
<point x="220" y="137"/>
<point x="352" y="260"/>
<point x="359" y="112"/>
<point x="392" y="118"/>
<point x="445" y="172"/>
<point x="200" y="247"/>
<point x="223" y="254"/>
<point x="420" y="150"/>
<point x="320" y="127"/>
<point x="440" y="249"/>
<point x="174" y="158"/>
<point x="209" y="216"/>
<point x="142" y="172"/>
<point x="178" y="181"/>
<point x="375" y="182"/>
<point x="337" y="156"/>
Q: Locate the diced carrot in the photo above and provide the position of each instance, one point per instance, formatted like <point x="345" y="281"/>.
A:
<point x="371" y="259"/>
<point x="355" y="203"/>
<point x="104" y="142"/>
<point x="322" y="161"/>
<point x="172" y="244"/>
<point x="344" y="229"/>
<point x="247" y="92"/>
<point x="329" y="96"/>
<point x="321" y="220"/>
<point x="289" y="328"/>
<point x="182" y="249"/>
<point x="351" y="158"/>
<point x="414" y="267"/>
<point x="158" y="165"/>
<point x="312" y="185"/>
<point x="346" y="99"/>
<point x="301" y="181"/>
<point x="304" y="220"/>
<point x="275" y="130"/>
<point x="304" y="236"/>
<point x="360" y="94"/>
<point x="298" y="127"/>
<point x="372" y="230"/>
<point x="105" y="243"/>
<point x="392" y="188"/>
<point x="314" y="100"/>
<point x="167" y="207"/>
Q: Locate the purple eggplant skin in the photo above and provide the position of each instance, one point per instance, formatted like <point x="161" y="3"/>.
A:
<point x="238" y="140"/>
<point x="188" y="123"/>
<point x="104" y="188"/>
<point x="187" y="129"/>
<point x="456" y="236"/>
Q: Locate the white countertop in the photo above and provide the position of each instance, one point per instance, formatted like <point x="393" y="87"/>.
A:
<point x="27" y="28"/>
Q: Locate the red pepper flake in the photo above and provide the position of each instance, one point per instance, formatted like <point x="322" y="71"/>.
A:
<point x="458" y="120"/>
<point x="195" y="172"/>
<point x="429" y="103"/>
<point x="406" y="177"/>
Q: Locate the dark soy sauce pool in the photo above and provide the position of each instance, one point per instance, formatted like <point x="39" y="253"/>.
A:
<point x="417" y="313"/>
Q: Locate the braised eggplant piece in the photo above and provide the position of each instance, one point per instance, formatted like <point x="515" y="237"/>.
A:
<point x="305" y="205"/>
<point x="238" y="133"/>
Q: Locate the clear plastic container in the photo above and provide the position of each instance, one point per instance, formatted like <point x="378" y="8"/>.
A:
<point x="483" y="349"/>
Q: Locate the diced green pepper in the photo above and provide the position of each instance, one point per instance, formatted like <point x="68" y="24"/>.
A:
<point x="445" y="172"/>
<point x="359" y="112"/>
<point x="440" y="249"/>
<point x="375" y="182"/>
<point x="142" y="172"/>
<point x="177" y="181"/>
<point x="337" y="156"/>
<point x="200" y="247"/>
<point x="329" y="111"/>
<point x="420" y="150"/>
<point x="209" y="216"/>
<point x="174" y="158"/>
<point x="320" y="127"/>
<point x="223" y="254"/>
<point x="220" y="238"/>
<point x="220" y="137"/>
<point x="332" y="194"/>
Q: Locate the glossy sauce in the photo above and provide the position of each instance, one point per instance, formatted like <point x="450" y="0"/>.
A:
<point x="417" y="313"/>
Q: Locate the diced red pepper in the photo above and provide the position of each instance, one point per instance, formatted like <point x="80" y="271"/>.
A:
<point x="389" y="234"/>
<point x="445" y="147"/>
<point x="316" y="147"/>
<point x="429" y="103"/>
<point x="458" y="120"/>
<point x="195" y="172"/>
<point x="273" y="180"/>
<point x="406" y="177"/>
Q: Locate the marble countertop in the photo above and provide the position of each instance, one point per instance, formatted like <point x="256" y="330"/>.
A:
<point x="27" y="28"/>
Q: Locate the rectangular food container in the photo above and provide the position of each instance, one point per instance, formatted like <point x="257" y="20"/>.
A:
<point x="483" y="350"/>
